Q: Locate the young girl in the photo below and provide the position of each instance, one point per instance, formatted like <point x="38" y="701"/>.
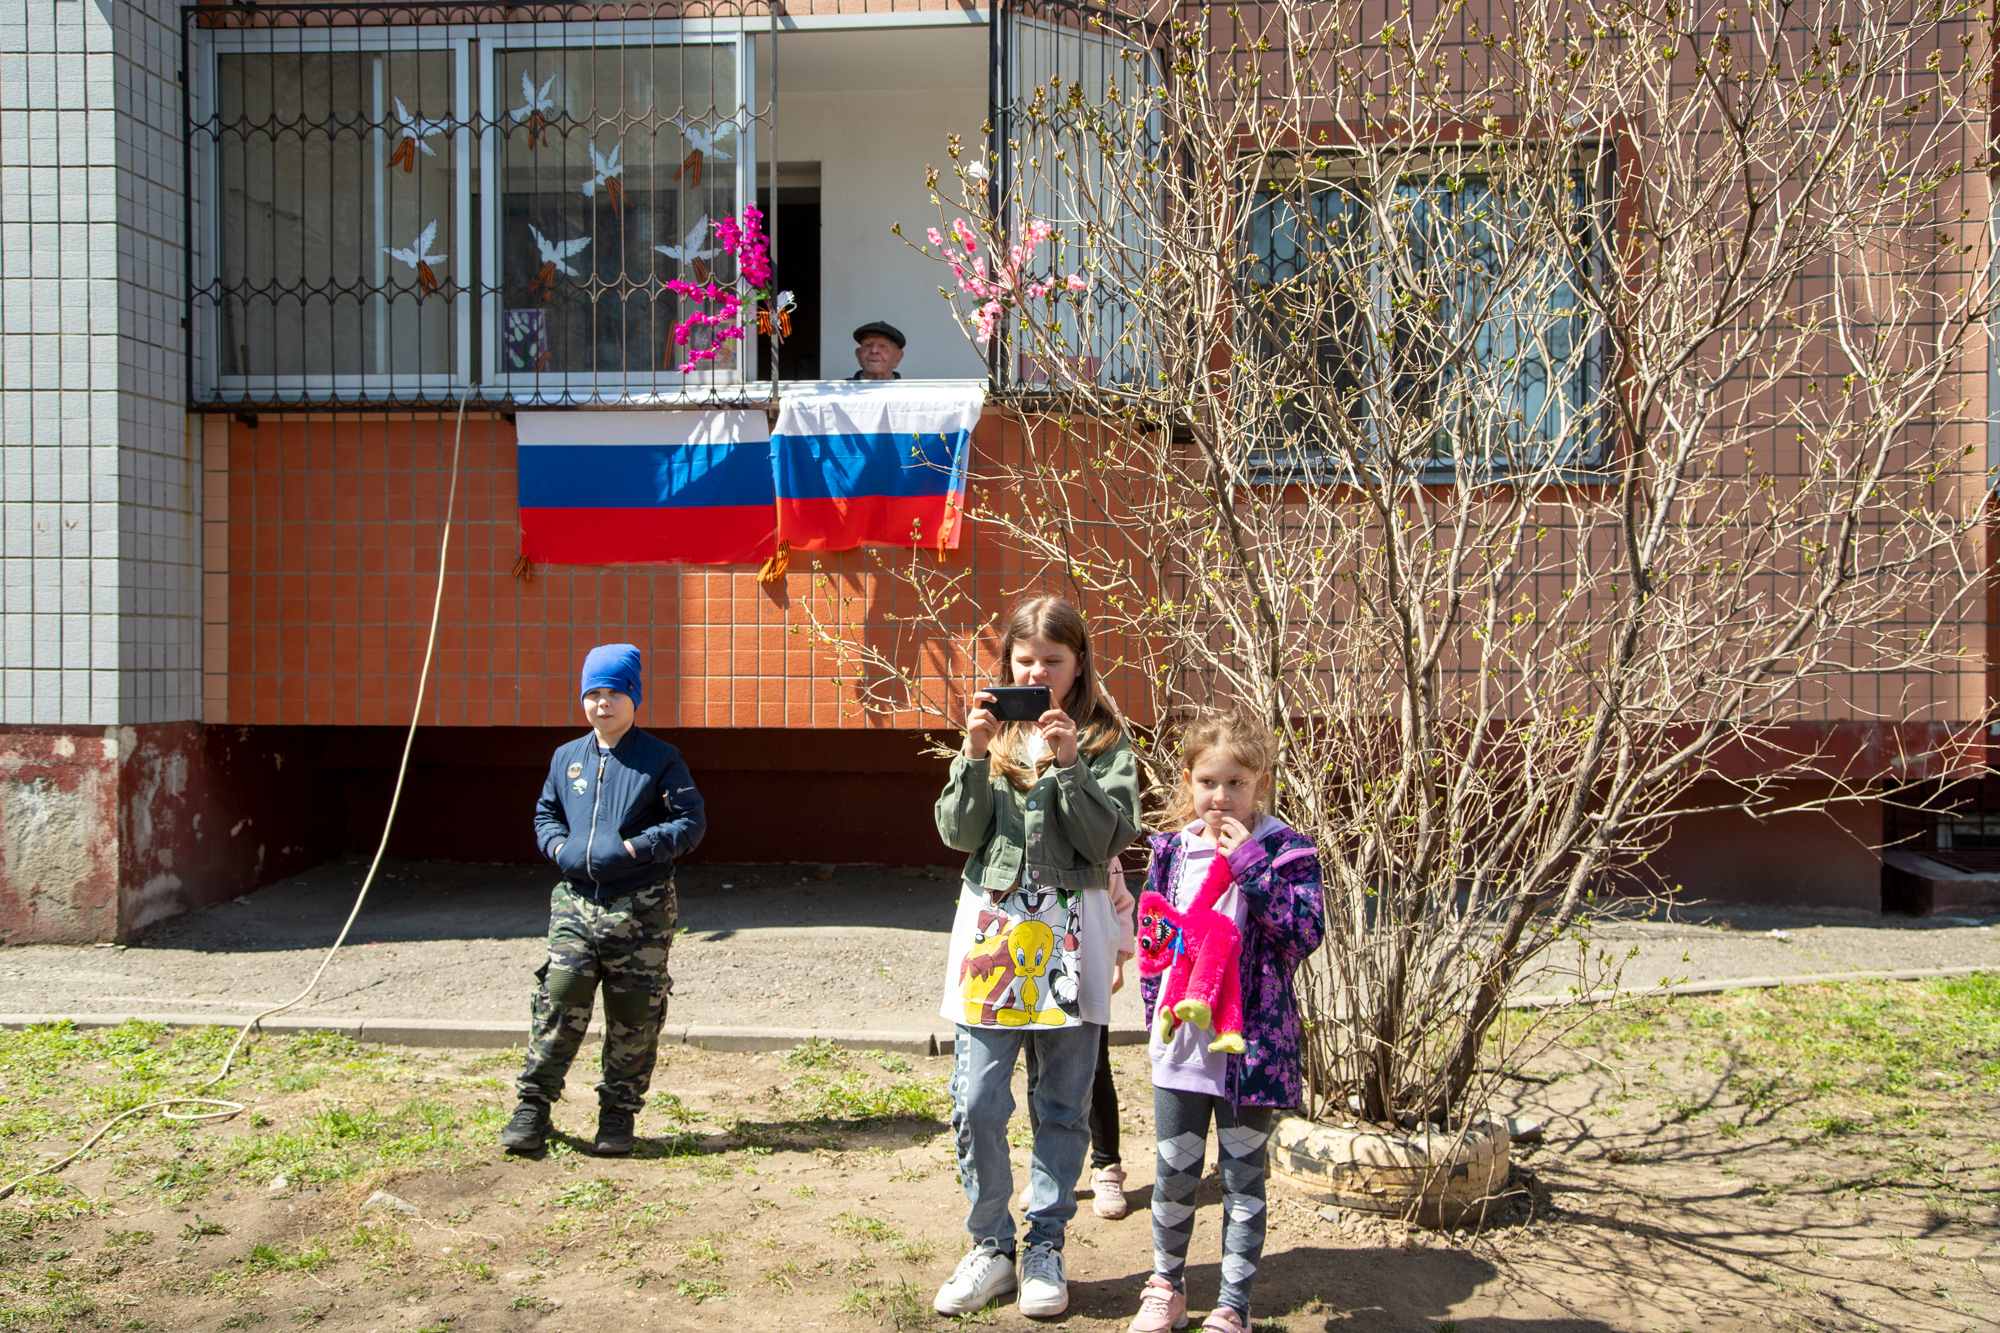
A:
<point x="1042" y="808"/>
<point x="1275" y="900"/>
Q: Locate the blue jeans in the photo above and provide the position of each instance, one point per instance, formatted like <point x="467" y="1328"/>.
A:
<point x="982" y="1102"/>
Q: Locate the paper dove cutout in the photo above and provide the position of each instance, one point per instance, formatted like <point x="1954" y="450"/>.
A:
<point x="702" y="143"/>
<point x="553" y="254"/>
<point x="537" y="104"/>
<point x="414" y="133"/>
<point x="420" y="258"/>
<point x="689" y="251"/>
<point x="605" y="172"/>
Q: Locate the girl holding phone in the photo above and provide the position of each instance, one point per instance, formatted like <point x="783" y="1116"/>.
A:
<point x="1041" y="808"/>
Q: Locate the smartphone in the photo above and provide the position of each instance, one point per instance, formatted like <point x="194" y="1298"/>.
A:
<point x="1018" y="703"/>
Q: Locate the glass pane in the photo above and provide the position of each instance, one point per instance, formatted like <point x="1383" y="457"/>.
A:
<point x="617" y="163"/>
<point x="338" y="212"/>
<point x="1483" y="346"/>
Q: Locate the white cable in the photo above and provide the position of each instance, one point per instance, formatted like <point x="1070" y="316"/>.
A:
<point x="403" y="769"/>
<point x="229" y="1108"/>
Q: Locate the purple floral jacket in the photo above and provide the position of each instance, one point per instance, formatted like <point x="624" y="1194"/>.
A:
<point x="1279" y="875"/>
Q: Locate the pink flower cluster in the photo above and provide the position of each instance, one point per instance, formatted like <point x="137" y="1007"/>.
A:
<point x="1004" y="284"/>
<point x="745" y="241"/>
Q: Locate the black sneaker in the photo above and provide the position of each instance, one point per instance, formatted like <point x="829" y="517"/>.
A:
<point x="614" y="1132"/>
<point x="527" y="1127"/>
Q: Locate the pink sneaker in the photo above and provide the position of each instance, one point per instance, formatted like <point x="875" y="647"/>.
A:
<point x="1107" y="1190"/>
<point x="1161" y="1308"/>
<point x="1222" y="1319"/>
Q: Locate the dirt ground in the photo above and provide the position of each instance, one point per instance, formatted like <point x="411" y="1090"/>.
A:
<point x="1816" y="1158"/>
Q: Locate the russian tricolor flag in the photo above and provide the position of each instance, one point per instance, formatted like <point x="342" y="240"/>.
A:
<point x="874" y="463"/>
<point x="605" y="488"/>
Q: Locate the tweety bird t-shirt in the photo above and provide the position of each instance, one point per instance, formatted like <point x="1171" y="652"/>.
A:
<point x="1040" y="958"/>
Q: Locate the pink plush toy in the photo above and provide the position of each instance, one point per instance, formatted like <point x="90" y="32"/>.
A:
<point x="1195" y="951"/>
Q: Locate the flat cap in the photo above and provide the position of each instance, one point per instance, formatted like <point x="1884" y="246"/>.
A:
<point x="886" y="329"/>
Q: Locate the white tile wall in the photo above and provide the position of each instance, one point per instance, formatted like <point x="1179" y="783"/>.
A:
<point x="100" y="560"/>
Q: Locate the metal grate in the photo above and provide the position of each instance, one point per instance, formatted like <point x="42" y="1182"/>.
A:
<point x="395" y="204"/>
<point x="1065" y="79"/>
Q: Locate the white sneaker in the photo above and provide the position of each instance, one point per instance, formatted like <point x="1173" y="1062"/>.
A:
<point x="981" y="1276"/>
<point x="1044" y="1289"/>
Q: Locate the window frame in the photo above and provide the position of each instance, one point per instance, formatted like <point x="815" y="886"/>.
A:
<point x="1592" y="168"/>
<point x="477" y="139"/>
<point x="205" y="266"/>
<point x="555" y="388"/>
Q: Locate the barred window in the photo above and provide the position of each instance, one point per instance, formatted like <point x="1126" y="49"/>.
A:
<point x="615" y="166"/>
<point x="391" y="206"/>
<point x="329" y="163"/>
<point x="1440" y="310"/>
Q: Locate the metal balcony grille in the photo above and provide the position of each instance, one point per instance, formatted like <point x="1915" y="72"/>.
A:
<point x="396" y="204"/>
<point x="1066" y="77"/>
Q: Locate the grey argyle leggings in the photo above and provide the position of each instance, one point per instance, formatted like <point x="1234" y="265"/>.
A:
<point x="1180" y="1122"/>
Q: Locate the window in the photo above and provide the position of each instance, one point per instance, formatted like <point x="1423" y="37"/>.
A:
<point x="1443" y="316"/>
<point x="392" y="206"/>
<point x="329" y="162"/>
<point x="613" y="167"/>
<point x="1072" y="135"/>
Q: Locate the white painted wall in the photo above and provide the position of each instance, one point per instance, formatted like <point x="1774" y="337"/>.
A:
<point x="873" y="109"/>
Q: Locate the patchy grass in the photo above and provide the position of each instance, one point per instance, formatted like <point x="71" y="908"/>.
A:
<point x="817" y="1186"/>
<point x="1870" y="1047"/>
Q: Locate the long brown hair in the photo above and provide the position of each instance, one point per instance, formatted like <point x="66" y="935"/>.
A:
<point x="1238" y="733"/>
<point x="1097" y="724"/>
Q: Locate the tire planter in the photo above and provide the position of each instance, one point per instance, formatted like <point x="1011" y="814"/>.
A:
<point x="1435" y="1178"/>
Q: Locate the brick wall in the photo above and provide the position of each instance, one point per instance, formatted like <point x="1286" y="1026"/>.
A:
<point x="320" y="557"/>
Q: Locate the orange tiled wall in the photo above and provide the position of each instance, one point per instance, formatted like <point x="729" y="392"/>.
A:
<point x="320" y="558"/>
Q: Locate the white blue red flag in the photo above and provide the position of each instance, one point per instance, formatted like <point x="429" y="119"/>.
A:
<point x="874" y="463"/>
<point x="606" y="488"/>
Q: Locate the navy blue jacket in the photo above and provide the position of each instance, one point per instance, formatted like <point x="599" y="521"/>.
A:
<point x="594" y="804"/>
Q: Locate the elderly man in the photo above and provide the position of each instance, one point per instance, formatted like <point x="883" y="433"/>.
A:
<point x="878" y="348"/>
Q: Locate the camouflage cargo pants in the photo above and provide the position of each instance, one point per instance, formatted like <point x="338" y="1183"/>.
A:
<point x="622" y="943"/>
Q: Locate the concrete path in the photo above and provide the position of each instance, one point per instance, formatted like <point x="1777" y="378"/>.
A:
<point x="761" y="947"/>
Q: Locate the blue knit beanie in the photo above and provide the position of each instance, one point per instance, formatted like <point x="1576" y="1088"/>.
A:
<point x="612" y="666"/>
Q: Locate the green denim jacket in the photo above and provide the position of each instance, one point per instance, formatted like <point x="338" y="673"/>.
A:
<point x="1064" y="830"/>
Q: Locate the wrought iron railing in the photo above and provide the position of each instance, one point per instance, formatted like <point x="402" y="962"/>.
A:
<point x="396" y="204"/>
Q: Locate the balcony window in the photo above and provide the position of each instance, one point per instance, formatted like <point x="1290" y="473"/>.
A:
<point x="396" y="204"/>
<point x="329" y="163"/>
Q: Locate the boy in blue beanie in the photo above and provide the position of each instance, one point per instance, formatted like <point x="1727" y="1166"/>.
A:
<point x="617" y="809"/>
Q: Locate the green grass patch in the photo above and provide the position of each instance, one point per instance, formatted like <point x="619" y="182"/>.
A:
<point x="304" y="1259"/>
<point x="1883" y="1040"/>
